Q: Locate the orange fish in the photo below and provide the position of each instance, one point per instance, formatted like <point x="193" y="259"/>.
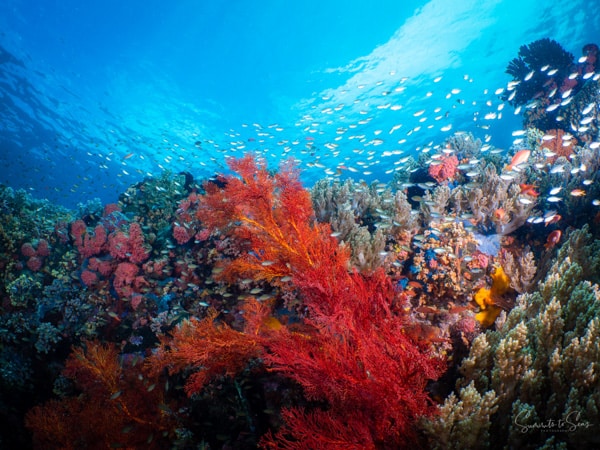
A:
<point x="577" y="192"/>
<point x="272" y="323"/>
<point x="529" y="189"/>
<point x="520" y="157"/>
<point x="415" y="284"/>
<point x="455" y="309"/>
<point x="553" y="239"/>
<point x="500" y="214"/>
<point x="555" y="218"/>
<point x="426" y="309"/>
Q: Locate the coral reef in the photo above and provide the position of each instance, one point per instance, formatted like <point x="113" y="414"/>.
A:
<point x="120" y="405"/>
<point x="352" y="350"/>
<point x="535" y="380"/>
<point x="498" y="205"/>
<point x="555" y="89"/>
<point x="249" y="311"/>
<point x="362" y="216"/>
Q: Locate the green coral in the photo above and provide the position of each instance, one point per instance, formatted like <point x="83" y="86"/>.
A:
<point x="153" y="201"/>
<point x="470" y="418"/>
<point x="542" y="366"/>
<point x="23" y="290"/>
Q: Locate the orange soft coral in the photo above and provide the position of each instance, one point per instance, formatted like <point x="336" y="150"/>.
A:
<point x="273" y="213"/>
<point x="490" y="300"/>
<point x="211" y="348"/>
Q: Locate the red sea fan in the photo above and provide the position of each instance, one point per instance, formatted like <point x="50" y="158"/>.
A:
<point x="213" y="349"/>
<point x="362" y="363"/>
<point x="120" y="406"/>
<point x="356" y="355"/>
<point x="334" y="434"/>
<point x="274" y="214"/>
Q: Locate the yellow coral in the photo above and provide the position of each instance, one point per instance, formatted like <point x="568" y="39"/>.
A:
<point x="487" y="299"/>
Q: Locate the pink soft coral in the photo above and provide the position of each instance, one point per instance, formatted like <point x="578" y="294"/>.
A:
<point x="444" y="169"/>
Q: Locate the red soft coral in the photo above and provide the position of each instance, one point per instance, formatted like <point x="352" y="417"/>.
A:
<point x="129" y="246"/>
<point x="444" y="169"/>
<point x="215" y="349"/>
<point x="93" y="244"/>
<point x="362" y="360"/>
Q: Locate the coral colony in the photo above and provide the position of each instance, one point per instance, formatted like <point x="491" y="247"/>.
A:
<point x="455" y="307"/>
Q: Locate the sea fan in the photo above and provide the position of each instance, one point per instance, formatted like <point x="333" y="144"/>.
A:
<point x="354" y="356"/>
<point x="546" y="52"/>
<point x="532" y="58"/>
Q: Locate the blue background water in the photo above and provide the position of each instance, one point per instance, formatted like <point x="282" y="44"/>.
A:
<point x="97" y="95"/>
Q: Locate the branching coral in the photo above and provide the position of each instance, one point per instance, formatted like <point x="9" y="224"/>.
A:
<point x="362" y="217"/>
<point x="520" y="268"/>
<point x="465" y="145"/>
<point x="467" y="420"/>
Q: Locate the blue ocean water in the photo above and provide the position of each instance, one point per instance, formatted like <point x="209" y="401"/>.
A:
<point x="97" y="96"/>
